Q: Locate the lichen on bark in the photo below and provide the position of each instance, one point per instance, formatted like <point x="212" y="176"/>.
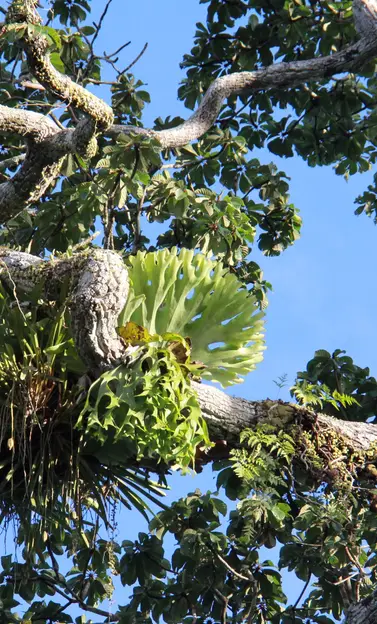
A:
<point x="97" y="292"/>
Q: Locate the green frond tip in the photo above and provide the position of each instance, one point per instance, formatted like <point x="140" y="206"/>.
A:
<point x="189" y="294"/>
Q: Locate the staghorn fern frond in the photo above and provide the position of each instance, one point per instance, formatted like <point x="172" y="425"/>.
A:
<point x="191" y="295"/>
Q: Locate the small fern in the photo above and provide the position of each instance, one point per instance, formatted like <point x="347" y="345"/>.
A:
<point x="267" y="455"/>
<point x="318" y="396"/>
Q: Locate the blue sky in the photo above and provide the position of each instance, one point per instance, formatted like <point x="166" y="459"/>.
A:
<point x="324" y="286"/>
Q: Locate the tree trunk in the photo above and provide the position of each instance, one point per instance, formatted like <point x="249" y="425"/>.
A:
<point x="364" y="612"/>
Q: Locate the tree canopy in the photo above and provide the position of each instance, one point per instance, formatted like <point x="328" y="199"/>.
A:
<point x="110" y="342"/>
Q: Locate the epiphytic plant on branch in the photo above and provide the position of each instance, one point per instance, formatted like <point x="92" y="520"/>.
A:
<point x="104" y="349"/>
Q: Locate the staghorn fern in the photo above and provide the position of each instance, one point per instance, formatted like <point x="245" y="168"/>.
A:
<point x="192" y="295"/>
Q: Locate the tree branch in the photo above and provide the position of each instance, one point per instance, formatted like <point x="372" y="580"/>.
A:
<point x="98" y="292"/>
<point x="363" y="612"/>
<point x="36" y="48"/>
<point x="278" y="76"/>
<point x="46" y="148"/>
<point x="46" y="143"/>
<point x="227" y="416"/>
<point x="13" y="161"/>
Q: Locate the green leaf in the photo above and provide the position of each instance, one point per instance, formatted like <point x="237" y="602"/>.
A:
<point x="57" y="62"/>
<point x="6" y="562"/>
<point x="280" y="147"/>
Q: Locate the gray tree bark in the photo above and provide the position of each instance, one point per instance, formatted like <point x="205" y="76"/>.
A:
<point x="227" y="416"/>
<point x="363" y="612"/>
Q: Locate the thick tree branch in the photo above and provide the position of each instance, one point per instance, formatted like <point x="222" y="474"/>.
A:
<point x="13" y="161"/>
<point x="227" y="416"/>
<point x="36" y="48"/>
<point x="28" y="124"/>
<point x="46" y="145"/>
<point x="278" y="76"/>
<point x="363" y="612"/>
<point x="98" y="292"/>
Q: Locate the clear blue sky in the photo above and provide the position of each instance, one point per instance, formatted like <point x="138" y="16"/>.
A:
<point x="324" y="286"/>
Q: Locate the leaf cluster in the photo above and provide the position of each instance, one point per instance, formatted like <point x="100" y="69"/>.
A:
<point x="51" y="471"/>
<point x="148" y="410"/>
<point x="337" y="386"/>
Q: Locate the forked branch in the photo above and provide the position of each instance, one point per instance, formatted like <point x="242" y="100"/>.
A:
<point x="44" y="156"/>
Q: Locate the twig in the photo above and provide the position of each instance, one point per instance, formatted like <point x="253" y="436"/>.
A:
<point x="134" y="61"/>
<point x="137" y="160"/>
<point x="344" y="580"/>
<point x="302" y="593"/>
<point x="64" y="607"/>
<point x="226" y="120"/>
<point x="72" y="112"/>
<point x="86" y="242"/>
<point x="136" y="224"/>
<point x="118" y="50"/>
<point x="101" y="82"/>
<point x="111" y="617"/>
<point x="56" y="120"/>
<point x="108" y="217"/>
<point x="99" y="26"/>
<point x="55" y="565"/>
<point x="89" y="557"/>
<point x="231" y="570"/>
<point x="354" y="560"/>
<point x="14" y="288"/>
<point x="225" y="601"/>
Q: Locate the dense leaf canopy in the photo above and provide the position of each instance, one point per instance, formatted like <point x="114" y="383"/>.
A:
<point x="78" y="441"/>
